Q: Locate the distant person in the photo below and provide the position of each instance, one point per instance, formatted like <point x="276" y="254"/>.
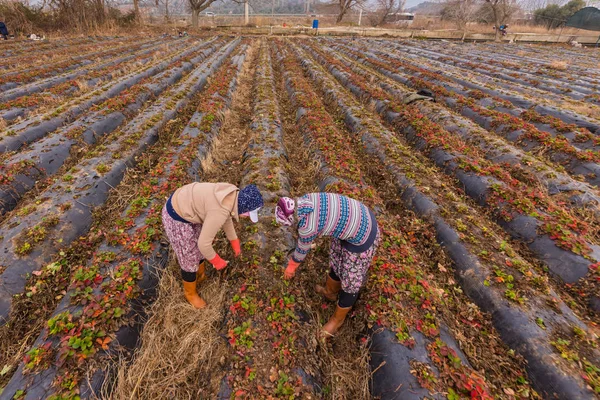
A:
<point x="503" y="29"/>
<point x="3" y="30"/>
<point x="193" y="216"/>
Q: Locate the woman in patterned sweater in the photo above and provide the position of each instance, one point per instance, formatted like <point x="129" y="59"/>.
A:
<point x="354" y="239"/>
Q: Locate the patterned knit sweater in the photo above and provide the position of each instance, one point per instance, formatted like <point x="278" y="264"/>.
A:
<point x="329" y="214"/>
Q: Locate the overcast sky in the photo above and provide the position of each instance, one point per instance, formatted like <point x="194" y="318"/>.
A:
<point x="412" y="3"/>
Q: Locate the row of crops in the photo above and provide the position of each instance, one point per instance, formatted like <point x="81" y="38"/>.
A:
<point x="487" y="281"/>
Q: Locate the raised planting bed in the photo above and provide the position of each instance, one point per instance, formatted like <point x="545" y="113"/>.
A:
<point x="45" y="157"/>
<point x="41" y="52"/>
<point x="36" y="127"/>
<point x="527" y="213"/>
<point x="528" y="97"/>
<point x="575" y="65"/>
<point x="542" y="54"/>
<point x="24" y="101"/>
<point x="19" y="48"/>
<point x="530" y="169"/>
<point x="103" y="62"/>
<point x="558" y="149"/>
<point x="470" y="243"/>
<point x="10" y="80"/>
<point x="532" y="94"/>
<point x="30" y="241"/>
<point x="511" y="73"/>
<point x="108" y="297"/>
<point x="409" y="365"/>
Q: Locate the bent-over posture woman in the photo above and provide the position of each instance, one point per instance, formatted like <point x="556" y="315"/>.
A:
<point x="193" y="216"/>
<point x="354" y="239"/>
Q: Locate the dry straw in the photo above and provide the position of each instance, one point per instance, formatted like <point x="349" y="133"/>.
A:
<point x="180" y="345"/>
<point x="559" y="65"/>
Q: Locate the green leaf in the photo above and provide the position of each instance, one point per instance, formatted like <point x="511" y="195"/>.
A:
<point x="5" y="370"/>
<point x="452" y="395"/>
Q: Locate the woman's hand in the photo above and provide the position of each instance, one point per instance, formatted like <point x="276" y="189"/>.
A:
<point x="236" y="246"/>
<point x="218" y="262"/>
<point x="290" y="271"/>
<point x="289" y="274"/>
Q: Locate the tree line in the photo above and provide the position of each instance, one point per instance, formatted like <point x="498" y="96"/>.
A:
<point x="500" y="12"/>
<point x="89" y="15"/>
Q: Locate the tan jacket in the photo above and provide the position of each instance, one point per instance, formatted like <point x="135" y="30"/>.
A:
<point x="209" y="204"/>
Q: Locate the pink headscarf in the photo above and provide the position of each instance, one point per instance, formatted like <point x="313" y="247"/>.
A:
<point x="284" y="211"/>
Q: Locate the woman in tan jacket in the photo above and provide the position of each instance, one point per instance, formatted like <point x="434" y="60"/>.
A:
<point x="193" y="216"/>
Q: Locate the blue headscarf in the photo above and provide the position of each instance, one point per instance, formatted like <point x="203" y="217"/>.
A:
<point x="249" y="199"/>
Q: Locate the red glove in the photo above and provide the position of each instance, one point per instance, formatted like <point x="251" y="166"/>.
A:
<point x="290" y="271"/>
<point x="236" y="246"/>
<point x="218" y="262"/>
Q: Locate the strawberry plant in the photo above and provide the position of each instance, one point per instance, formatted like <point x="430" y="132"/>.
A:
<point x="38" y="357"/>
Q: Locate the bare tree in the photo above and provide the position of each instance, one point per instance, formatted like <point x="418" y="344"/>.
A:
<point x="136" y="11"/>
<point x="197" y="7"/>
<point x="81" y="15"/>
<point x="385" y="8"/>
<point x="164" y="3"/>
<point x="170" y="7"/>
<point x="100" y="9"/>
<point x="495" y="7"/>
<point x="501" y="11"/>
<point x="307" y="7"/>
<point x="460" y="12"/>
<point x="344" y="7"/>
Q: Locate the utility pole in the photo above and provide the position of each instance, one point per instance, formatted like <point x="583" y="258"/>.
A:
<point x="359" y="16"/>
<point x="246" y="17"/>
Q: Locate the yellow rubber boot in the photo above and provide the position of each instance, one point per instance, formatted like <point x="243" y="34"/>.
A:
<point x="201" y="274"/>
<point x="336" y="321"/>
<point x="191" y="295"/>
<point x="330" y="290"/>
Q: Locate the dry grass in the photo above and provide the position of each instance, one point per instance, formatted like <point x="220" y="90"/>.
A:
<point x="346" y="364"/>
<point x="558" y="65"/>
<point x="208" y="163"/>
<point x="344" y="360"/>
<point x="180" y="345"/>
<point x="82" y="85"/>
<point x="587" y="109"/>
<point x="222" y="162"/>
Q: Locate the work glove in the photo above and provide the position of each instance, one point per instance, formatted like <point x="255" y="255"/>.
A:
<point x="236" y="246"/>
<point x="290" y="270"/>
<point x="218" y="262"/>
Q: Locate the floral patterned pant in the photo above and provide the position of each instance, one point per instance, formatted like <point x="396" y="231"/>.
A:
<point x="184" y="240"/>
<point x="350" y="267"/>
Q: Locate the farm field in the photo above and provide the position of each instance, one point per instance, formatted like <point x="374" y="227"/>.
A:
<point x="486" y="283"/>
